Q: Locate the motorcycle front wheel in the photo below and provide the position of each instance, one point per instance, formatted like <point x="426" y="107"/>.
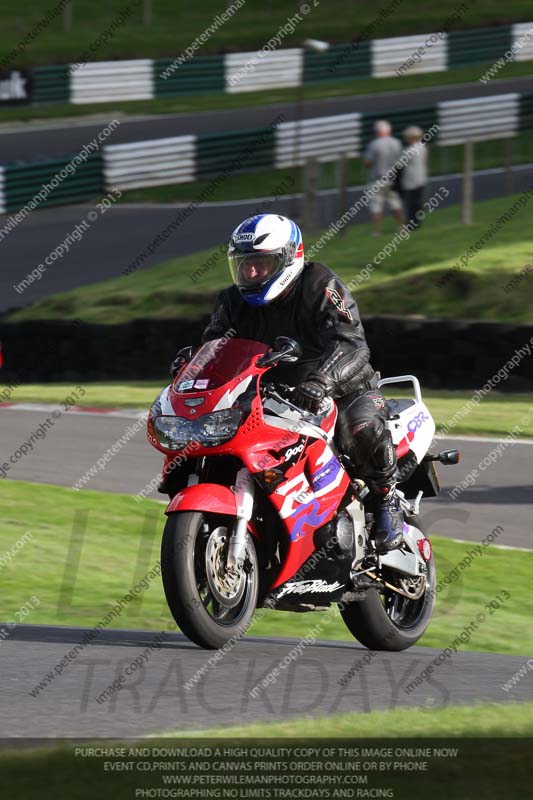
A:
<point x="210" y="604"/>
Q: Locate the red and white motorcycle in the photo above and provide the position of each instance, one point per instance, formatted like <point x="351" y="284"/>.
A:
<point x="273" y="515"/>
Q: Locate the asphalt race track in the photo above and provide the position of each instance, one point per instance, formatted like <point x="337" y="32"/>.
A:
<point x="155" y="699"/>
<point x="117" y="238"/>
<point x="503" y="496"/>
<point x="44" y="139"/>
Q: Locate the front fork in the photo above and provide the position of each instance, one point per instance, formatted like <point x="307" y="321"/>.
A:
<point x="244" y="488"/>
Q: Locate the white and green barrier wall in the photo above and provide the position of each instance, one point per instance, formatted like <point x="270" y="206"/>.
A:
<point x="283" y="144"/>
<point x="145" y="79"/>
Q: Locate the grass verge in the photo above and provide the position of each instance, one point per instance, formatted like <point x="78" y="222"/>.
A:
<point x="171" y="30"/>
<point x="487" y="719"/>
<point x="468" y="752"/>
<point x="118" y="542"/>
<point x="414" y="279"/>
<point x="495" y="416"/>
<point x="134" y="394"/>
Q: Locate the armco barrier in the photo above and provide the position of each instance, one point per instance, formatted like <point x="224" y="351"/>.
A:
<point x="237" y="151"/>
<point x="324" y="139"/>
<point x="482" y="45"/>
<point x="23" y="182"/>
<point x="51" y="84"/>
<point x="394" y="56"/>
<point x="101" y="82"/>
<point x="522" y="36"/>
<point x="251" y="72"/>
<point x="352" y="60"/>
<point x="479" y="118"/>
<point x="442" y="353"/>
<point x="2" y="192"/>
<point x="184" y="159"/>
<point x="526" y="112"/>
<point x="197" y="75"/>
<point x="153" y="163"/>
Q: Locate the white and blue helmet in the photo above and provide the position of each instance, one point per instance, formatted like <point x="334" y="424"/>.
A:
<point x="266" y="255"/>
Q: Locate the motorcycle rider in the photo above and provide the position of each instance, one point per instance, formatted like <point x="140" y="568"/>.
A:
<point x="275" y="292"/>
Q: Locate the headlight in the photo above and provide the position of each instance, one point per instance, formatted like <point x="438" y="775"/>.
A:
<point x="174" y="433"/>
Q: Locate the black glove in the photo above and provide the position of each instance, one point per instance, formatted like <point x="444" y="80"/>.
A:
<point x="183" y="357"/>
<point x="310" y="394"/>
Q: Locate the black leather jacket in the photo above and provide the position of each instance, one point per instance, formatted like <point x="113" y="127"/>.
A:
<point x="320" y="313"/>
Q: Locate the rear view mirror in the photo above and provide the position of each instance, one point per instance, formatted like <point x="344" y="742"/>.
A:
<point x="285" y="349"/>
<point x="289" y="349"/>
<point x="183" y="357"/>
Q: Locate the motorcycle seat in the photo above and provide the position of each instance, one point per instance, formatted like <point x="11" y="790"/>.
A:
<point x="394" y="407"/>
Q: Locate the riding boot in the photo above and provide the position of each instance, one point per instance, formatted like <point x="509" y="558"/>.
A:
<point x="388" y="525"/>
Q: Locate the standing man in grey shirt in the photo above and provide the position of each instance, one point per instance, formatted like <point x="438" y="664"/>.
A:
<point x="381" y="155"/>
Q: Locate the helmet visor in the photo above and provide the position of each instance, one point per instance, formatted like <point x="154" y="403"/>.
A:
<point x="251" y="270"/>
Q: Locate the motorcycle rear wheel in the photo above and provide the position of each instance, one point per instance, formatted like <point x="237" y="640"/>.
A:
<point x="209" y="606"/>
<point x="388" y="621"/>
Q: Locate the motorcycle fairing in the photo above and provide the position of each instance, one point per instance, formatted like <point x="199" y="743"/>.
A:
<point x="308" y="498"/>
<point x="413" y="430"/>
<point x="321" y="578"/>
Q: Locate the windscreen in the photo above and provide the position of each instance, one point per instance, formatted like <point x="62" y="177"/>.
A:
<point x="217" y="362"/>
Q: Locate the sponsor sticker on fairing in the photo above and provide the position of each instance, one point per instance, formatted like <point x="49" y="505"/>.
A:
<point x="203" y="383"/>
<point x="417" y="421"/>
<point x="292" y="451"/>
<point x="309" y="587"/>
<point x="184" y="385"/>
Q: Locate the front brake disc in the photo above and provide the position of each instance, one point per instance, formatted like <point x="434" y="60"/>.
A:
<point x="226" y="586"/>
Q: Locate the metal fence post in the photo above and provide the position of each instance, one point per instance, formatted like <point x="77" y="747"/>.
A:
<point x="147" y="12"/>
<point x="311" y="179"/>
<point x="468" y="185"/>
<point x="508" y="160"/>
<point x="67" y="15"/>
<point x="342" y="188"/>
<point x="298" y="114"/>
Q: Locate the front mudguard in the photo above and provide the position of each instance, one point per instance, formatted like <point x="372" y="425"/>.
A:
<point x="209" y="497"/>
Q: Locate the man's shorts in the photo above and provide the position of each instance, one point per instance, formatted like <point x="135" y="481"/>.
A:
<point x="385" y="195"/>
